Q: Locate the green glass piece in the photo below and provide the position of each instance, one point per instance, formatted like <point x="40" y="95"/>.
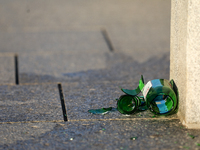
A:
<point x="186" y="147"/>
<point x="192" y="136"/>
<point x="143" y="105"/>
<point x="128" y="104"/>
<point x="102" y="111"/>
<point x="142" y="108"/>
<point x="136" y="91"/>
<point x="133" y="138"/>
<point x="176" y="92"/>
<point x="198" y="144"/>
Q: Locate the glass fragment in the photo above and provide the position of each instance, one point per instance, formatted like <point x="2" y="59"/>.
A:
<point x="186" y="147"/>
<point x="101" y="111"/>
<point x="142" y="106"/>
<point x="136" y="91"/>
<point x="192" y="136"/>
<point x="133" y="138"/>
<point x="198" y="144"/>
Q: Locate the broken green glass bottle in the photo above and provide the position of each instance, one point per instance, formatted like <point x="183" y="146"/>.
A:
<point x="159" y="95"/>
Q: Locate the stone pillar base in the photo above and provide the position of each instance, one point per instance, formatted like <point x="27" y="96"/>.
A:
<point x="185" y="58"/>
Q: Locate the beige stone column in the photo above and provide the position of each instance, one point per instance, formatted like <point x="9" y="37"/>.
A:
<point x="185" y="58"/>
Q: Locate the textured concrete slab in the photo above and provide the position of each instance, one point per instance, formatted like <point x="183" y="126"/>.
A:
<point x="149" y="134"/>
<point x="141" y="42"/>
<point x="118" y="67"/>
<point x="140" y="33"/>
<point x="30" y="103"/>
<point x="7" y="69"/>
<point x="80" y="97"/>
<point x="64" y="15"/>
<point x="56" y="53"/>
<point x="57" y="64"/>
<point x="122" y="70"/>
<point x="67" y="41"/>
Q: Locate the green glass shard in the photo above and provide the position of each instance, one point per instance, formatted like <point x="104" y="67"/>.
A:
<point x="133" y="138"/>
<point x="176" y="92"/>
<point x="198" y="144"/>
<point x="186" y="147"/>
<point x="136" y="91"/>
<point x="192" y="136"/>
<point x="142" y="106"/>
<point x="101" y="111"/>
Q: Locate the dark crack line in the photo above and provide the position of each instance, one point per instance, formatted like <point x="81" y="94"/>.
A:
<point x="62" y="99"/>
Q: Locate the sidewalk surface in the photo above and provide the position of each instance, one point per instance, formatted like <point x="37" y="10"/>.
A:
<point x="82" y="52"/>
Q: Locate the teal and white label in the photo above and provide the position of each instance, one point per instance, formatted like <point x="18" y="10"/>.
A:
<point x="146" y="89"/>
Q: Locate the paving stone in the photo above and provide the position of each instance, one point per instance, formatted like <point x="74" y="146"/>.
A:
<point x="56" y="53"/>
<point x="140" y="33"/>
<point x="80" y="97"/>
<point x="65" y="15"/>
<point x="139" y="36"/>
<point x="150" y="134"/>
<point x="118" y="67"/>
<point x="141" y="42"/>
<point x="20" y="131"/>
<point x="57" y="64"/>
<point x="7" y="69"/>
<point x="30" y="103"/>
<point x="67" y="41"/>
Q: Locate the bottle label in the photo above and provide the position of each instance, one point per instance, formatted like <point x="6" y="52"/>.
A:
<point x="146" y="89"/>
